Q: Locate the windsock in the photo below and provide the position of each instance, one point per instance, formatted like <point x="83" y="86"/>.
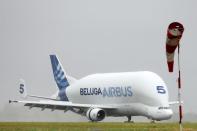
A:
<point x="174" y="34"/>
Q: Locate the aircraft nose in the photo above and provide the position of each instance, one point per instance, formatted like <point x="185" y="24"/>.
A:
<point x="169" y="113"/>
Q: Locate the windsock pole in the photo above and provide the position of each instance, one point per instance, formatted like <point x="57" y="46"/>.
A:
<point x="179" y="92"/>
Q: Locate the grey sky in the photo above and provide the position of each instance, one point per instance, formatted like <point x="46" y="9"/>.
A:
<point x="92" y="36"/>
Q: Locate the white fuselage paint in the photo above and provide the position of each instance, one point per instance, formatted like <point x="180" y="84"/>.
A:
<point x="133" y="93"/>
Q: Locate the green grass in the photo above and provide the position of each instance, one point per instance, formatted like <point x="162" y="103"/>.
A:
<point x="99" y="126"/>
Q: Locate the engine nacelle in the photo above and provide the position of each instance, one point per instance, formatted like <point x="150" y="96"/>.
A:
<point x="95" y="114"/>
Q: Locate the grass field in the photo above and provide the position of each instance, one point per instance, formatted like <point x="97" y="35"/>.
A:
<point x="88" y="126"/>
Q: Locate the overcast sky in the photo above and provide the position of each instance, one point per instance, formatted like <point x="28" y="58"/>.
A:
<point x="93" y="36"/>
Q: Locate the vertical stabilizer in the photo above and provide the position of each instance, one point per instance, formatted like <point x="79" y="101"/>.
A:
<point x="60" y="77"/>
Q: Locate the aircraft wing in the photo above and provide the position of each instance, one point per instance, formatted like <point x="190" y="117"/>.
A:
<point x="60" y="105"/>
<point x="50" y="103"/>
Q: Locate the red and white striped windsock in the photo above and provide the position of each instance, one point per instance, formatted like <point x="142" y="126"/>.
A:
<point x="174" y="34"/>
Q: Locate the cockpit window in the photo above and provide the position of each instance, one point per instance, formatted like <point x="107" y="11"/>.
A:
<point x="161" y="108"/>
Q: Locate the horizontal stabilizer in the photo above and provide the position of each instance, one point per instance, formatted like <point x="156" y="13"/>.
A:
<point x="175" y="102"/>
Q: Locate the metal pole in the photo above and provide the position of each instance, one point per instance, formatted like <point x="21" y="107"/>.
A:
<point x="179" y="92"/>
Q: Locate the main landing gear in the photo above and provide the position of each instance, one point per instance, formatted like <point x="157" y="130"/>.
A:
<point x="129" y="119"/>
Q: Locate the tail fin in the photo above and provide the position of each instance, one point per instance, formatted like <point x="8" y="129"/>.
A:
<point x="59" y="73"/>
<point x="22" y="88"/>
<point x="60" y="77"/>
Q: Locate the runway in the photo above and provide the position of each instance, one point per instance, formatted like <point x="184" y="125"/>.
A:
<point x="94" y="126"/>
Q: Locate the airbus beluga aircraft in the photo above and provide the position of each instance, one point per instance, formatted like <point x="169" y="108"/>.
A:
<point x="96" y="96"/>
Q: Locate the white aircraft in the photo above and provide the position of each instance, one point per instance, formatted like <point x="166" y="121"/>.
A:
<point x="96" y="96"/>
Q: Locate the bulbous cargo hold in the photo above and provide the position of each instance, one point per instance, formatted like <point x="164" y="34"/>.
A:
<point x="117" y="88"/>
<point x="174" y="34"/>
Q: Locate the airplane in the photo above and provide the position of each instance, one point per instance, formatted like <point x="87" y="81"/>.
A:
<point x="97" y="96"/>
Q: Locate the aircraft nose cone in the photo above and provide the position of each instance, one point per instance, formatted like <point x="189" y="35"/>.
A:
<point x="169" y="113"/>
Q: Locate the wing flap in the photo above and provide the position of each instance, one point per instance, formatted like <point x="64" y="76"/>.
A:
<point x="60" y="105"/>
<point x="52" y="107"/>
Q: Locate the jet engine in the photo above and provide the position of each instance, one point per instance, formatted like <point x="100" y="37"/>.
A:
<point x="95" y="114"/>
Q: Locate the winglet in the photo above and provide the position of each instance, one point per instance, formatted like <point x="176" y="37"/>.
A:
<point x="22" y="88"/>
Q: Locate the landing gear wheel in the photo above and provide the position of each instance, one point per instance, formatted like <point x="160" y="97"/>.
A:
<point x="129" y="119"/>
